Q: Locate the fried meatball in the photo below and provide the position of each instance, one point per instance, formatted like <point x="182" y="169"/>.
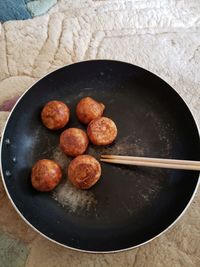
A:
<point x="88" y="109"/>
<point x="55" y="115"/>
<point x="46" y="174"/>
<point x="73" y="142"/>
<point x="84" y="171"/>
<point x="102" y="131"/>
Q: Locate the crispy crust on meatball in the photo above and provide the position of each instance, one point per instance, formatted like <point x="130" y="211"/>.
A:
<point x="89" y="109"/>
<point x="73" y="142"/>
<point x="55" y="115"/>
<point x="84" y="171"/>
<point x="102" y="131"/>
<point x="45" y="175"/>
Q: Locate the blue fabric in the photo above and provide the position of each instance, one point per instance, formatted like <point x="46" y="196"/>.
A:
<point x="23" y="9"/>
<point x="13" y="10"/>
<point x="39" y="7"/>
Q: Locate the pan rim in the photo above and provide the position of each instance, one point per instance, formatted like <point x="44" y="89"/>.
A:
<point x="73" y="248"/>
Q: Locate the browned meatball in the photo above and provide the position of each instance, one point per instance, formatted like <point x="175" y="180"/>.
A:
<point x="55" y="115"/>
<point x="73" y="142"/>
<point x="88" y="109"/>
<point x="46" y="174"/>
<point x="84" y="171"/>
<point x="102" y="131"/>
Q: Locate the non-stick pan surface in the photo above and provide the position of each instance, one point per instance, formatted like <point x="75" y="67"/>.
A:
<point x="131" y="205"/>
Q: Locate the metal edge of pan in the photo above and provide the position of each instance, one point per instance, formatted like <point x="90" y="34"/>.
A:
<point x="72" y="248"/>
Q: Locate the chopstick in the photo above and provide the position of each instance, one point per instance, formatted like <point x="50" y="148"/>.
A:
<point x="152" y="162"/>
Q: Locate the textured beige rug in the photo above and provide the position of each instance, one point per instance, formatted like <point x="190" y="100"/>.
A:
<point x="162" y="36"/>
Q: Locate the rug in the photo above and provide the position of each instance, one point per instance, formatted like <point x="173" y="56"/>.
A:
<point x="162" y="36"/>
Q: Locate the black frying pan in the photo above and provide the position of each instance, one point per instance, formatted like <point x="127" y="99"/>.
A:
<point x="132" y="205"/>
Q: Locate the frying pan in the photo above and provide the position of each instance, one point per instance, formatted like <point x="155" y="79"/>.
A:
<point x="129" y="206"/>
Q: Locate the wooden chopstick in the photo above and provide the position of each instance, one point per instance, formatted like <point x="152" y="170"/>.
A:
<point x="152" y="162"/>
<point x="173" y="161"/>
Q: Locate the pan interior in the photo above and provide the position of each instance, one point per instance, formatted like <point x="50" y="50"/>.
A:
<point x="129" y="205"/>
